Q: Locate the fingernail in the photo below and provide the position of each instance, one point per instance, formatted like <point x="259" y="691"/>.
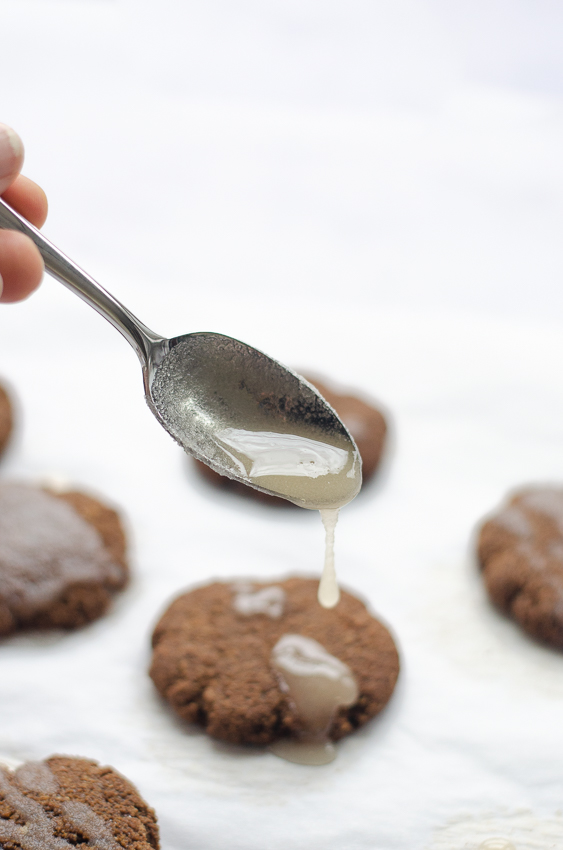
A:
<point x="1" y="286"/>
<point x="11" y="148"/>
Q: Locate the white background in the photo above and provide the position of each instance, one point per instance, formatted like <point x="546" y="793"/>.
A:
<point x="369" y="190"/>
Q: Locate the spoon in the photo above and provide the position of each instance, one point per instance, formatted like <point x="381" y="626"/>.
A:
<point x="226" y="403"/>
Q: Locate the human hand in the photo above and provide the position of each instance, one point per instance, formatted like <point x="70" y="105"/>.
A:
<point x="21" y="266"/>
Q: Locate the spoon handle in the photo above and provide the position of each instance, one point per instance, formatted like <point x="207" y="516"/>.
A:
<point x="65" y="271"/>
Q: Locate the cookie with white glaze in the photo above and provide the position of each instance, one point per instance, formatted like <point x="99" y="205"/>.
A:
<point x="520" y="550"/>
<point x="72" y="802"/>
<point x="213" y="649"/>
<point x="62" y="557"/>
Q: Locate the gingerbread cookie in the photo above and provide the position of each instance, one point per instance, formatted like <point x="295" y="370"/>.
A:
<point x="62" y="556"/>
<point x="219" y="651"/>
<point x="6" y="418"/>
<point x="365" y="423"/>
<point x="520" y="551"/>
<point x="72" y="802"/>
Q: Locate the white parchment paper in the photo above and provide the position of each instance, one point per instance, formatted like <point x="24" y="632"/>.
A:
<point x="473" y="728"/>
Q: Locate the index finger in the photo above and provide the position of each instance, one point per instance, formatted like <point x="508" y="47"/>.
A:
<point x="27" y="198"/>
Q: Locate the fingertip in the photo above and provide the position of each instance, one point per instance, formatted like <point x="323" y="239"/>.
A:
<point x="14" y="141"/>
<point x="21" y="266"/>
<point x="29" y="199"/>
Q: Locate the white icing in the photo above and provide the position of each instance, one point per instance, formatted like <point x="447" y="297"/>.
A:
<point x="266" y="600"/>
<point x="537" y="560"/>
<point x="514" y="520"/>
<point x="329" y="592"/>
<point x="533" y="556"/>
<point x="519" y="831"/>
<point x="38" y="831"/>
<point x="9" y="763"/>
<point x="45" y="544"/>
<point x="36" y="776"/>
<point x="304" y="751"/>
<point x="56" y="482"/>
<point x="91" y="825"/>
<point x="283" y="454"/>
<point x="318" y="684"/>
<point x="37" y="834"/>
<point x="289" y="464"/>
<point x="546" y="501"/>
<point x="232" y="429"/>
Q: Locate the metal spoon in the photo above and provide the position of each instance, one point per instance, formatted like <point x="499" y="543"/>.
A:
<point x="226" y="403"/>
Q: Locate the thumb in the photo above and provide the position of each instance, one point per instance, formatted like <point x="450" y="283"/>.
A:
<point x="11" y="156"/>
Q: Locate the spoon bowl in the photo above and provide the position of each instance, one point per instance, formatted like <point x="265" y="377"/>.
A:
<point x="226" y="403"/>
<point x="252" y="419"/>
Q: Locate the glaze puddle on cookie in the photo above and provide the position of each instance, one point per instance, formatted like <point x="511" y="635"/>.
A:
<point x="266" y="600"/>
<point x="497" y="844"/>
<point x="318" y="684"/>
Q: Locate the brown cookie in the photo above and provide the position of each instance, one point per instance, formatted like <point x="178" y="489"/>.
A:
<point x="212" y="658"/>
<point x="366" y="424"/>
<point x="62" y="557"/>
<point x="72" y="802"/>
<point x="6" y="419"/>
<point x="520" y="551"/>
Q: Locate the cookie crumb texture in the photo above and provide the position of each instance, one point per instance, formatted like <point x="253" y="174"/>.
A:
<point x="6" y="419"/>
<point x="520" y="552"/>
<point x="212" y="662"/>
<point x="62" y="557"/>
<point x="366" y="424"/>
<point x="72" y="802"/>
